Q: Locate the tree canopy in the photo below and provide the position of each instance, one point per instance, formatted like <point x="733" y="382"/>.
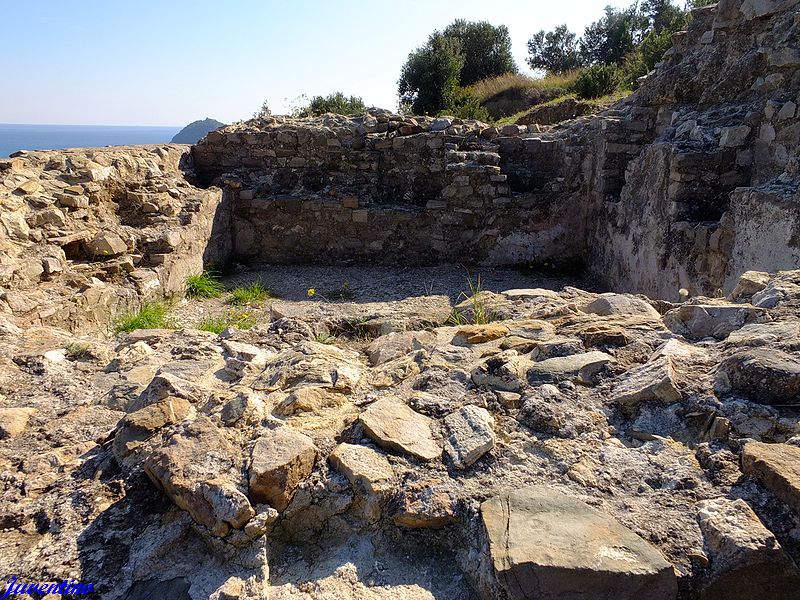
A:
<point x="463" y="53"/>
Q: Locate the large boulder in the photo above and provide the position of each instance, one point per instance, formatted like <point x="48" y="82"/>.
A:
<point x="198" y="469"/>
<point x="545" y="545"/>
<point x="311" y="363"/>
<point x="761" y="375"/>
<point x="746" y="559"/>
<point x="581" y="367"/>
<point x="697" y="321"/>
<point x="777" y="466"/>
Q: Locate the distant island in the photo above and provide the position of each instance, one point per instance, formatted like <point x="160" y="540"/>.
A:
<point x="194" y="132"/>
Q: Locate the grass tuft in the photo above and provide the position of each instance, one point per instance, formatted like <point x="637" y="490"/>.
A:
<point x="478" y="312"/>
<point x="152" y="315"/>
<point x="255" y="293"/>
<point x="218" y="324"/>
<point x="204" y="285"/>
<point x="213" y="324"/>
<point x="76" y="350"/>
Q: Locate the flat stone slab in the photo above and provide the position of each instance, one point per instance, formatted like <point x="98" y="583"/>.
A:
<point x="394" y="426"/>
<point x="777" y="466"/>
<point x="545" y="545"/>
<point x="583" y="367"/>
<point x="366" y="469"/>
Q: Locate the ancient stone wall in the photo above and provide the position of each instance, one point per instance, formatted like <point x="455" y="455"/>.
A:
<point x="388" y="189"/>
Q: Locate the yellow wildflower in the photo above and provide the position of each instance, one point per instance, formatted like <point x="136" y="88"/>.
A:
<point x="311" y="292"/>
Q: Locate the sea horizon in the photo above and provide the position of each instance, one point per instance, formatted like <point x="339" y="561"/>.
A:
<point x="23" y="136"/>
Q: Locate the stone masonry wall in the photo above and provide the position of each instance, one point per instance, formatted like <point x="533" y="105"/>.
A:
<point x="383" y="188"/>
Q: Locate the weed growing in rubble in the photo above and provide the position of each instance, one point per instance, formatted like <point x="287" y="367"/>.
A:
<point x="473" y="309"/>
<point x="152" y="315"/>
<point x="255" y="293"/>
<point x="204" y="285"/>
<point x="76" y="350"/>
<point x="232" y="318"/>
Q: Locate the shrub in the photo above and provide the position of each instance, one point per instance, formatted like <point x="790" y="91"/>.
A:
<point x="596" y="81"/>
<point x="476" y="310"/>
<point x="152" y="315"/>
<point x="332" y="103"/>
<point x="464" y="104"/>
<point x="342" y="293"/>
<point x="249" y="294"/>
<point x="218" y="324"/>
<point x="204" y="285"/>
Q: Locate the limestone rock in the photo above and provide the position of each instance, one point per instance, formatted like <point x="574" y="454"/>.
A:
<point x="394" y="345"/>
<point x="777" y="466"/>
<point x="366" y="469"/>
<point x="531" y="329"/>
<point x="620" y="304"/>
<point x="469" y="435"/>
<point x="105" y="245"/>
<point x="310" y="399"/>
<point x="545" y="546"/>
<point x="197" y="468"/>
<point x="281" y="460"/>
<point x="504" y="372"/>
<point x="140" y="425"/>
<point x="696" y="321"/>
<point x="13" y="421"/>
<point x="426" y="508"/>
<point x="750" y="282"/>
<point x="582" y="367"/>
<point x="529" y="294"/>
<point x="394" y="426"/>
<point x="761" y="375"/>
<point x="654" y="380"/>
<point x="478" y="334"/>
<point x="746" y="559"/>
<point x="311" y="363"/>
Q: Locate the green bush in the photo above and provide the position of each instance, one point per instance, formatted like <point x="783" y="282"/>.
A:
<point x="152" y="315"/>
<point x="596" y="81"/>
<point x="204" y="285"/>
<point x="332" y="103"/>
<point x="464" y="104"/>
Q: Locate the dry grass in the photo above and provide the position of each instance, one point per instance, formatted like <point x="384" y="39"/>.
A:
<point x="513" y="93"/>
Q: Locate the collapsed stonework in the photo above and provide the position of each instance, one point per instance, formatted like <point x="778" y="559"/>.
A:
<point x="526" y="443"/>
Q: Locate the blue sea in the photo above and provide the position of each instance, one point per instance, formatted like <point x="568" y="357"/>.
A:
<point x="55" y="137"/>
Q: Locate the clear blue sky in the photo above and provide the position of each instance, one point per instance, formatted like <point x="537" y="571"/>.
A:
<point x="169" y="62"/>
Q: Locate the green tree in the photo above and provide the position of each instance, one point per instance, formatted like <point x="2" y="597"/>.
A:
<point x="663" y="14"/>
<point x="486" y="49"/>
<point x="430" y="77"/>
<point x="554" y="51"/>
<point x="608" y="40"/>
<point x="460" y="55"/>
